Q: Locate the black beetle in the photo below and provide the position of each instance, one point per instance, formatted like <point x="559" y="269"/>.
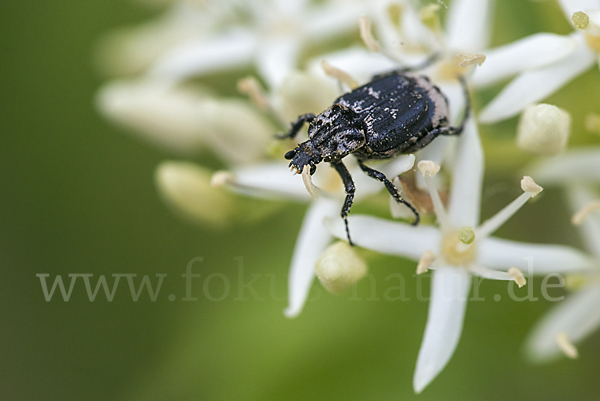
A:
<point x="395" y="113"/>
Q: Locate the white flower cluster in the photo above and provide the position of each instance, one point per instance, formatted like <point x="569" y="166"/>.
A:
<point x="194" y="39"/>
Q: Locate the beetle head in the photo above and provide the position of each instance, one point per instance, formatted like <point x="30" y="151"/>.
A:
<point x="305" y="154"/>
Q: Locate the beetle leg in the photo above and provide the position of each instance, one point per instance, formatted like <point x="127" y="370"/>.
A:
<point x="458" y="130"/>
<point x="379" y="176"/>
<point x="297" y="125"/>
<point x="349" y="187"/>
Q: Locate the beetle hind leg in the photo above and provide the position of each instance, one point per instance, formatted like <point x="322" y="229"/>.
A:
<point x="379" y="176"/>
<point x="458" y="130"/>
<point x="350" y="189"/>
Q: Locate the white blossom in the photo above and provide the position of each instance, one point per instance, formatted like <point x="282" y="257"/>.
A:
<point x="569" y="56"/>
<point x="578" y="171"/>
<point x="274" y="181"/>
<point x="270" y="36"/>
<point x="455" y="261"/>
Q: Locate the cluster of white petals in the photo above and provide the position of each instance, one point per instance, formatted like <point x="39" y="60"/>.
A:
<point x="578" y="171"/>
<point x="544" y="62"/>
<point x="195" y="38"/>
<point x="453" y="261"/>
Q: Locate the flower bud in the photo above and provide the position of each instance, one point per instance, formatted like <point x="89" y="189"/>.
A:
<point x="339" y="267"/>
<point x="544" y="129"/>
<point x="186" y="187"/>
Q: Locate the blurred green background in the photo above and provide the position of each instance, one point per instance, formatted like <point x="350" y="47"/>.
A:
<point x="78" y="197"/>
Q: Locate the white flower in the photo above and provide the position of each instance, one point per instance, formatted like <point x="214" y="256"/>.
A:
<point x="186" y="119"/>
<point x="274" y="180"/>
<point x="453" y="260"/>
<point x="132" y="50"/>
<point x="573" y="55"/>
<point x="271" y="36"/>
<point x="194" y="38"/>
<point x="578" y="316"/>
<point x="408" y="37"/>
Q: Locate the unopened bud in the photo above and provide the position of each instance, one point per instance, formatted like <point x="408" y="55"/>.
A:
<point x="340" y="267"/>
<point x="186" y="187"/>
<point x="544" y="129"/>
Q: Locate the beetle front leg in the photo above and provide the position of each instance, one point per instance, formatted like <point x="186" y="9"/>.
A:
<point x="349" y="187"/>
<point x="297" y="125"/>
<point x="379" y="176"/>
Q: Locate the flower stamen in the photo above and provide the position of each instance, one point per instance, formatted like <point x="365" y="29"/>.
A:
<point x="340" y="75"/>
<point x="425" y="261"/>
<point x="491" y="274"/>
<point x="517" y="275"/>
<point x="566" y="346"/>
<point x="251" y="87"/>
<point x="470" y="59"/>
<point x="221" y="178"/>
<point x="364" y="24"/>
<point x="429" y="169"/>
<point x="579" y="217"/>
<point x="530" y="189"/>
<point x="592" y="123"/>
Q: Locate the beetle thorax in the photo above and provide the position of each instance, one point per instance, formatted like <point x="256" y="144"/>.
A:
<point x="335" y="133"/>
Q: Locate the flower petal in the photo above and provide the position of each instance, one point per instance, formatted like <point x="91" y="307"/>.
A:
<point x="312" y="241"/>
<point x="579" y="196"/>
<point x="386" y="236"/>
<point x="267" y="181"/>
<point x="577" y="316"/>
<point x="131" y="50"/>
<point x="496" y="253"/>
<point x="333" y="19"/>
<point x="529" y="53"/>
<point x="358" y="62"/>
<point x="228" y="51"/>
<point x="276" y="58"/>
<point x="455" y="94"/>
<point x="235" y="130"/>
<point x="580" y="165"/>
<point x="534" y="86"/>
<point x="571" y="6"/>
<point x="449" y="293"/>
<point x="396" y="166"/>
<point x="465" y="194"/>
<point x="290" y="8"/>
<point x="594" y="16"/>
<point x="157" y="111"/>
<point x="469" y="25"/>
